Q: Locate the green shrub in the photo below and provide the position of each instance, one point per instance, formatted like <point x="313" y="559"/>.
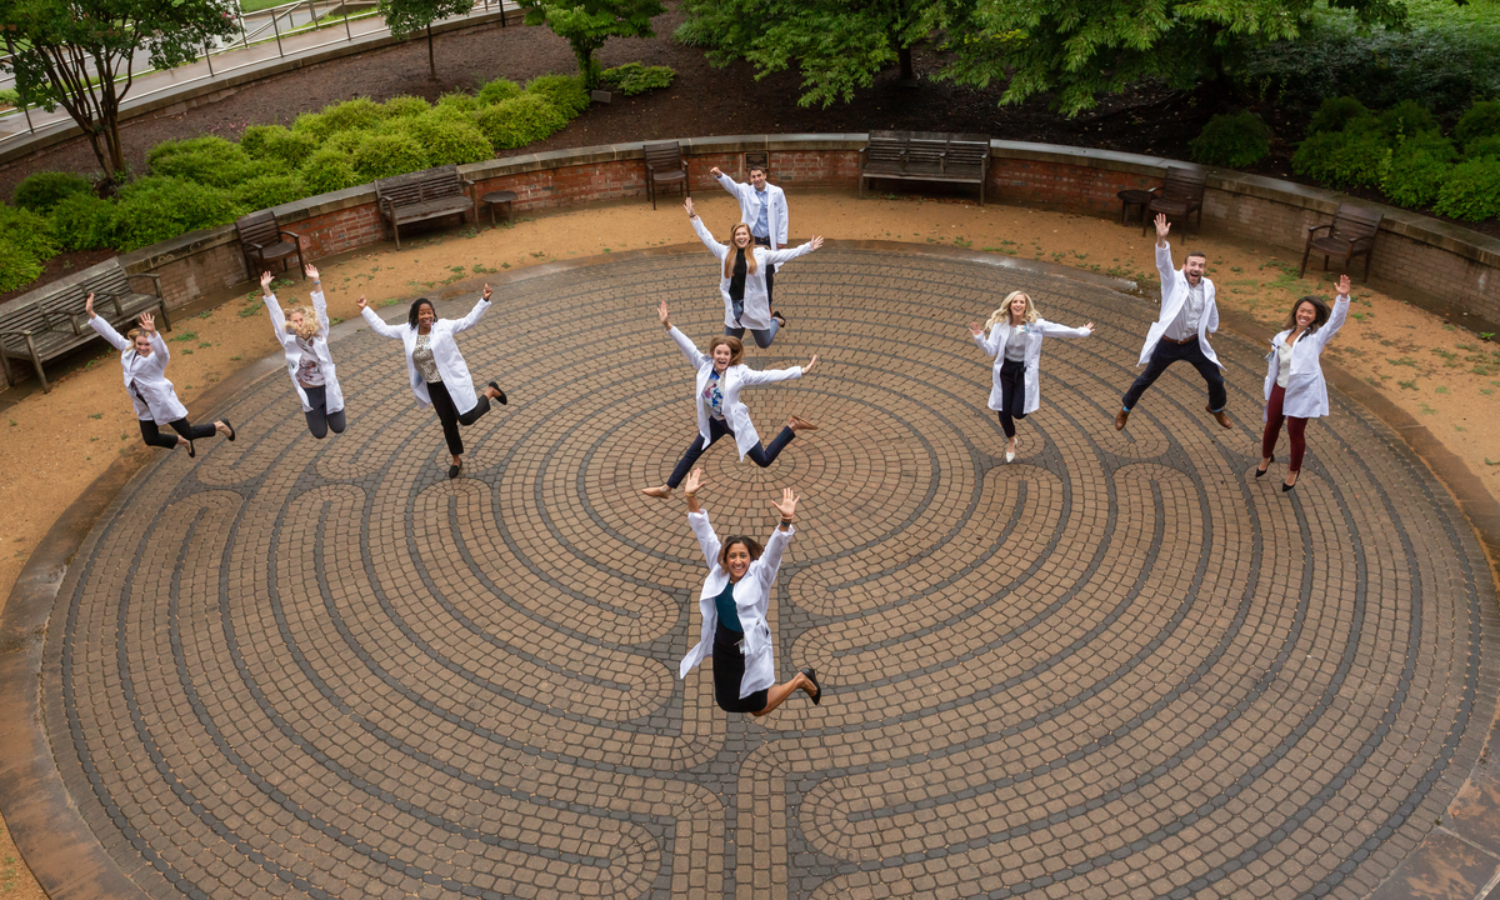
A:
<point x="206" y="160"/>
<point x="266" y="191"/>
<point x="1408" y="118"/>
<point x="359" y="114"/>
<point x="466" y="103"/>
<point x="10" y="97"/>
<point x="405" y="106"/>
<point x="158" y="208"/>
<point x="382" y="155"/>
<point x="499" y="90"/>
<point x="290" y="148"/>
<point x="17" y="267"/>
<point x="253" y="138"/>
<point x="44" y="190"/>
<point x="449" y="140"/>
<point x="1235" y="141"/>
<point x="1480" y="120"/>
<point x="636" y="78"/>
<point x="1415" y="177"/>
<point x="1471" y="192"/>
<point x="1335" y="114"/>
<point x="1355" y="156"/>
<point x="345" y="141"/>
<point x="327" y="171"/>
<point x="520" y="121"/>
<point x="28" y="231"/>
<point x="1481" y="148"/>
<point x="566" y="92"/>
<point x="83" y="222"/>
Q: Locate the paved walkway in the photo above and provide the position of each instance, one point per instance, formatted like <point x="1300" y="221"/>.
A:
<point x="262" y="55"/>
<point x="1119" y="666"/>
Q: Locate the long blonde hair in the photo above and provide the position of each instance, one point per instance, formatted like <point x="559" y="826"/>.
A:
<point x="749" y="252"/>
<point x="1001" y="316"/>
<point x="310" y="324"/>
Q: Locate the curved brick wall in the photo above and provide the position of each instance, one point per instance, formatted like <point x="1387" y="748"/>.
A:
<point x="1420" y="259"/>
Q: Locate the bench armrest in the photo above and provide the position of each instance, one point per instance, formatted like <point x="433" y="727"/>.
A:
<point x="291" y="234"/>
<point x="155" y="284"/>
<point x="1314" y="228"/>
<point x="10" y="332"/>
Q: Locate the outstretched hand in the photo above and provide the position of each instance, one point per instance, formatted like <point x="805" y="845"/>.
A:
<point x="716" y="172"/>
<point x="809" y="367"/>
<point x="788" y="505"/>
<point x="976" y="329"/>
<point x="1344" y="285"/>
<point x="1162" y="226"/>
<point x="148" y="323"/>
<point x="312" y="272"/>
<point x="1089" y="328"/>
<point x="817" y="241"/>
<point x="661" y="315"/>
<point x="265" y="282"/>
<point x="693" y="482"/>
<point x="487" y="293"/>
<point x="361" y="302"/>
<point x="687" y="204"/>
<point x="88" y="305"/>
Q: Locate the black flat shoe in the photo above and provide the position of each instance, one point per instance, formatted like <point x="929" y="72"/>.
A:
<point x="1260" y="473"/>
<point x="812" y="676"/>
<point x="501" y="398"/>
<point x="230" y="427"/>
<point x="454" y="470"/>
<point x="778" y="317"/>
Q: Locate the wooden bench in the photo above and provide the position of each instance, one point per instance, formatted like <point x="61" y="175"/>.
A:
<point x="926" y="156"/>
<point x="50" y="321"/>
<point x="429" y="194"/>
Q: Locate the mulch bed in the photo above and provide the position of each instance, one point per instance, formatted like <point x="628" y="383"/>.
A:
<point x="703" y="101"/>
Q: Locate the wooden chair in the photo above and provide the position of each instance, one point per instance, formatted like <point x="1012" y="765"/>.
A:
<point x="1180" y="194"/>
<point x="664" y="165"/>
<point x="261" y="242"/>
<point x="1351" y="234"/>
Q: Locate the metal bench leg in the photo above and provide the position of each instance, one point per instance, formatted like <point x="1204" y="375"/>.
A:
<point x="37" y="361"/>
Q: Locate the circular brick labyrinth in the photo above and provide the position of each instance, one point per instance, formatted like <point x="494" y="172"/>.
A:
<point x="1118" y="666"/>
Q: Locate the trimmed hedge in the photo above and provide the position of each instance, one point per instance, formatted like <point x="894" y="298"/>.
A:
<point x="1358" y="155"/>
<point x="205" y="160"/>
<point x="1408" y="118"/>
<point x="465" y="103"/>
<point x="449" y="140"/>
<point x="637" y="78"/>
<point x="83" y="222"/>
<point x="292" y="148"/>
<point x="520" y="121"/>
<point x="566" y="92"/>
<point x="359" y="114"/>
<point x="266" y="191"/>
<point x="328" y="170"/>
<point x="30" y="232"/>
<point x="42" y="191"/>
<point x="1235" y="141"/>
<point x="17" y="267"/>
<point x="1471" y="192"/>
<point x="1336" y="113"/>
<point x="1479" y="121"/>
<point x="384" y="154"/>
<point x="405" y="106"/>
<point x="1416" y="177"/>
<point x="499" y="90"/>
<point x="159" y="208"/>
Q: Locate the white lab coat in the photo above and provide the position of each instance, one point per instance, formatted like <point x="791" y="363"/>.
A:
<point x="1174" y="291"/>
<point x="994" y="347"/>
<point x="757" y="305"/>
<point x="450" y="363"/>
<point x="734" y="379"/>
<point x="1306" y="391"/>
<point x="149" y="374"/>
<point x="750" y="200"/>
<point x="332" y="394"/>
<point x="752" y="601"/>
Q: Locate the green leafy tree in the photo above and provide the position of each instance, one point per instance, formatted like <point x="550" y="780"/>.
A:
<point x="838" y="46"/>
<point x="1080" y="49"/>
<point x="82" y="55"/>
<point x="587" y="24"/>
<point x="407" y="17"/>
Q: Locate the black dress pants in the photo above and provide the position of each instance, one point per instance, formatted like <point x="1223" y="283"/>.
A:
<point x="319" y="420"/>
<point x="153" y="436"/>
<point x="1012" y="394"/>
<point x="717" y="428"/>
<point x="729" y="671"/>
<point x="447" y="413"/>
<point x="1168" y="352"/>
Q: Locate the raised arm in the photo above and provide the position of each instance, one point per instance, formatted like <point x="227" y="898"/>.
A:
<point x="729" y="184"/>
<point x="158" y="346"/>
<point x="1337" y="317"/>
<point x="991" y="344"/>
<point x="777" y="257"/>
<point x="102" y="327"/>
<point x="704" y="235"/>
<point x="755" y="377"/>
<point x="776" y="546"/>
<point x="476" y="313"/>
<point x="273" y="308"/>
<point x="698" y="518"/>
<point x="1052" y="329"/>
<point x="376" y="323"/>
<point x="695" y="357"/>
<point x="320" y="304"/>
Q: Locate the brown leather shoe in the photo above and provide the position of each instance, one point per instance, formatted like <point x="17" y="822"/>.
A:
<point x="800" y="424"/>
<point x="1221" y="416"/>
<point x="1121" y="418"/>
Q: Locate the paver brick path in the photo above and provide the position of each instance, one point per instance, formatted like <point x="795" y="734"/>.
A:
<point x="1120" y="666"/>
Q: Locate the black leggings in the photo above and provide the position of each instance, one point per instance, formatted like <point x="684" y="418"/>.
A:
<point x="153" y="436"/>
<point x="319" y="420"/>
<point x="1012" y="394"/>
<point x="717" y="428"/>
<point x="729" y="671"/>
<point x="447" y="413"/>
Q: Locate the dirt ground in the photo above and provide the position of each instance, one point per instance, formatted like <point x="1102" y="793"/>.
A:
<point x="1444" y="376"/>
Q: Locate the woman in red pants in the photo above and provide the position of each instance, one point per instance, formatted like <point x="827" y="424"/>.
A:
<point x="1295" y="389"/>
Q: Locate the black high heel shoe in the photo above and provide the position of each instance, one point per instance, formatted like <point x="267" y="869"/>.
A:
<point x="1286" y="487"/>
<point x="231" y="429"/>
<point x="812" y="676"/>
<point x="501" y="394"/>
<point x="1259" y="472"/>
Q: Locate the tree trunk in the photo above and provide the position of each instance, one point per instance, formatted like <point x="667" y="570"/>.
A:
<point x="908" y="71"/>
<point x="431" y="59"/>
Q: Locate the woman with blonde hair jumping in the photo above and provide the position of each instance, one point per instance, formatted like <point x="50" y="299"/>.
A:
<point x="303" y="333"/>
<point x="1014" y="342"/>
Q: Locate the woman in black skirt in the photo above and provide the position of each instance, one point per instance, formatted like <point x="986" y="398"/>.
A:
<point x="735" y="599"/>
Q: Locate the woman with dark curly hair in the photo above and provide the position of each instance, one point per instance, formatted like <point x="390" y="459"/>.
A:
<point x="439" y="377"/>
<point x="734" y="602"/>
<point x="1295" y="389"/>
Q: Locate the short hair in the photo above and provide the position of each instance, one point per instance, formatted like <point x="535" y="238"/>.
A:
<point x="735" y="345"/>
<point x="759" y="167"/>
<point x="750" y="543"/>
<point x="411" y="317"/>
<point x="1198" y="253"/>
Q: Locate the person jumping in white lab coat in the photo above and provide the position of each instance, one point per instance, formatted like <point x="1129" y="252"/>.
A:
<point x="1295" y="388"/>
<point x="303" y="333"/>
<point x="438" y="374"/>
<point x="763" y="208"/>
<point x="144" y="357"/>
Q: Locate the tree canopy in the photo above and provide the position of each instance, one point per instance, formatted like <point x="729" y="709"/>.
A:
<point x="81" y="55"/>
<point x="405" y="17"/>
<point x="588" y="24"/>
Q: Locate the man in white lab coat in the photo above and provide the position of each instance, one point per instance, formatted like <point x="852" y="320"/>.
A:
<point x="763" y="208"/>
<point x="1188" y="316"/>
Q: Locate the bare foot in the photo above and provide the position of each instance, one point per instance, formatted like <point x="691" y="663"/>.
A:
<point x="797" y="423"/>
<point x="660" y="493"/>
